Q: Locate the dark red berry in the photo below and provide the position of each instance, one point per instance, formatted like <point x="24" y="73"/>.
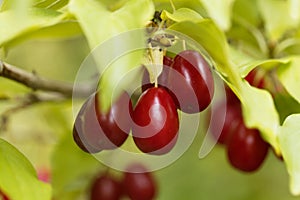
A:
<point x="106" y="187"/>
<point x="191" y="82"/>
<point x="116" y="123"/>
<point x="95" y="130"/>
<point x="231" y="98"/>
<point x="139" y="184"/>
<point x="156" y="122"/>
<point x="246" y="150"/>
<point x="225" y="119"/>
<point x="256" y="79"/>
<point x="3" y="196"/>
<point x="162" y="78"/>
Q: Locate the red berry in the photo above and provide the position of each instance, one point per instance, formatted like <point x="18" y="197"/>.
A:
<point x="191" y="82"/>
<point x="44" y="174"/>
<point x="95" y="130"/>
<point x="256" y="79"/>
<point x="246" y="150"/>
<point x="106" y="187"/>
<point x="231" y="98"/>
<point x="3" y="196"/>
<point x="139" y="184"/>
<point x="225" y="120"/>
<point x="156" y="122"/>
<point x="162" y="78"/>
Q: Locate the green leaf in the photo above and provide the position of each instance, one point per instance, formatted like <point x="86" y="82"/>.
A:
<point x="51" y="4"/>
<point x="99" y="25"/>
<point x="246" y="10"/>
<point x="289" y="138"/>
<point x="220" y="12"/>
<point x="182" y="14"/>
<point x="15" y="4"/>
<point x="289" y="75"/>
<point x="277" y="17"/>
<point x="72" y="169"/>
<point x="35" y="19"/>
<point x="195" y="5"/>
<point x="245" y="68"/>
<point x="18" y="177"/>
<point x="259" y="112"/>
<point x="94" y="18"/>
<point x="286" y="105"/>
<point x="61" y="30"/>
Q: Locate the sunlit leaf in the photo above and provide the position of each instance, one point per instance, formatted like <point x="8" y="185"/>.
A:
<point x="289" y="138"/>
<point x="220" y="12"/>
<point x="259" y="112"/>
<point x="246" y="10"/>
<point x="72" y="169"/>
<point x="18" y="177"/>
<point x="35" y="19"/>
<point x="182" y="14"/>
<point x="247" y="66"/>
<point x="289" y="75"/>
<point x="286" y="105"/>
<point x="277" y="17"/>
<point x="100" y="24"/>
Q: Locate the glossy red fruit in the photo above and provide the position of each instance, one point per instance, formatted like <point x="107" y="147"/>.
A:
<point x="191" y="82"/>
<point x="231" y="98"/>
<point x="106" y="187"/>
<point x="156" y="122"/>
<point x="246" y="150"/>
<point x="162" y="78"/>
<point x="95" y="130"/>
<point x="225" y="119"/>
<point x="139" y="184"/>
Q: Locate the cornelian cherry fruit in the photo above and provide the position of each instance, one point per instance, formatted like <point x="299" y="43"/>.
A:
<point x="191" y="82"/>
<point x="95" y="130"/>
<point x="156" y="122"/>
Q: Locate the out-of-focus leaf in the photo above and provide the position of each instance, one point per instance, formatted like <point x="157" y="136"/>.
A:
<point x="277" y="17"/>
<point x="289" y="75"/>
<point x="99" y="25"/>
<point x="72" y="169"/>
<point x="51" y="4"/>
<point x="182" y="14"/>
<point x="220" y="12"/>
<point x="294" y="10"/>
<point x="35" y="19"/>
<point x="289" y="138"/>
<point x="191" y="4"/>
<point x="286" y="105"/>
<point x="268" y="64"/>
<point x="259" y="112"/>
<point x="61" y="30"/>
<point x="18" y="177"/>
<point x="246" y="10"/>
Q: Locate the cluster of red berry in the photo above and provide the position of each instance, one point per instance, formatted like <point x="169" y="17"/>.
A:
<point x="246" y="150"/>
<point x="186" y="83"/>
<point x="137" y="184"/>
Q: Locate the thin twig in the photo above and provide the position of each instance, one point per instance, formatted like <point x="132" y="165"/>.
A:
<point x="35" y="82"/>
<point x="25" y="102"/>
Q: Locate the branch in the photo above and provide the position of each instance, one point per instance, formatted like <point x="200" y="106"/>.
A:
<point x="25" y="102"/>
<point x="35" y="82"/>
